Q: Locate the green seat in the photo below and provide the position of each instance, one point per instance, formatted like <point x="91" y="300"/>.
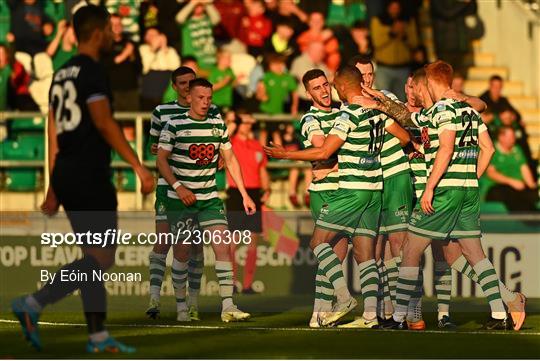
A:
<point x="21" y="179"/>
<point x="493" y="208"/>
<point x="128" y="181"/>
<point x="35" y="141"/>
<point x="27" y="124"/>
<point x="15" y="150"/>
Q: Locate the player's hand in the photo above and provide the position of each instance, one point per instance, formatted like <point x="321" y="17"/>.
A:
<point x="220" y="162"/>
<point x="146" y="178"/>
<point x="249" y="205"/>
<point x="426" y="201"/>
<point x="517" y="184"/>
<point x="275" y="151"/>
<point x="186" y="196"/>
<point x="50" y="205"/>
<point x="366" y="91"/>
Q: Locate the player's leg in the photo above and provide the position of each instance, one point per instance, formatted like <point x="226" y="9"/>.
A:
<point x="195" y="272"/>
<point x="514" y="301"/>
<point x="384" y="302"/>
<point x="467" y="231"/>
<point x="388" y="302"/>
<point x="443" y="281"/>
<point x="157" y="259"/>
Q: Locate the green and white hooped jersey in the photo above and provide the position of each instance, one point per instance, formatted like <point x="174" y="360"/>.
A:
<point x="359" y="157"/>
<point x="449" y="114"/>
<point x="393" y="159"/>
<point x="195" y="146"/>
<point x="319" y="122"/>
<point x="160" y="116"/>
<point x="418" y="165"/>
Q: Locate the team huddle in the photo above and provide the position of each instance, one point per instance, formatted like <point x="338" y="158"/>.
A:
<point x="390" y="178"/>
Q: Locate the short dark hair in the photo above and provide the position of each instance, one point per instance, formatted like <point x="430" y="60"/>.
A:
<point x="360" y="58"/>
<point x="350" y="74"/>
<point x="310" y="75"/>
<point x="87" y="19"/>
<point x="419" y="75"/>
<point x="200" y="82"/>
<point x="503" y="129"/>
<point x="183" y="70"/>
<point x="495" y="77"/>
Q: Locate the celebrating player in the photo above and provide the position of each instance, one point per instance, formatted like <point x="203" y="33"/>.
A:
<point x="81" y="132"/>
<point x="160" y="116"/>
<point x="457" y="152"/>
<point x="188" y="150"/>
<point x="315" y="126"/>
<point x="355" y="207"/>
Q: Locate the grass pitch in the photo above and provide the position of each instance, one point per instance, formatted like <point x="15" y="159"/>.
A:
<point x="281" y="334"/>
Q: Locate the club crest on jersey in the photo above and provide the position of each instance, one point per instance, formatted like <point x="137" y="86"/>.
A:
<point x="216" y="132"/>
<point x="186" y="133"/>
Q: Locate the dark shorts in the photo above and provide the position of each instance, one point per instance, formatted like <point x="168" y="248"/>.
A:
<point x="90" y="203"/>
<point x="238" y="219"/>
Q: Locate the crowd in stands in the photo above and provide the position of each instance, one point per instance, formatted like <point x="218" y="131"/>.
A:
<point x="253" y="51"/>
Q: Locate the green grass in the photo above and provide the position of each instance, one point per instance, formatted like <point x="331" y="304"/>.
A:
<point x="279" y="334"/>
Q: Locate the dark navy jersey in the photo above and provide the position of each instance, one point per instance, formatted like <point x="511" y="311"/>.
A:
<point x="81" y="148"/>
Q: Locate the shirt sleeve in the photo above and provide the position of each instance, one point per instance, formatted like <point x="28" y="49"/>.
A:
<point x="445" y="119"/>
<point x="155" y="126"/>
<point x="310" y="126"/>
<point x="95" y="86"/>
<point x="343" y="125"/>
<point x="520" y="156"/>
<point x="167" y="137"/>
<point x="225" y="140"/>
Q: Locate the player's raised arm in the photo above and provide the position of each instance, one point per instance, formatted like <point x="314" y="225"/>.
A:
<point x="100" y="113"/>
<point x="476" y="103"/>
<point x="486" y="150"/>
<point x="396" y="110"/>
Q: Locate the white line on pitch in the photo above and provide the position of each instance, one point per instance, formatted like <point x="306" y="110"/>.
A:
<point x="255" y="328"/>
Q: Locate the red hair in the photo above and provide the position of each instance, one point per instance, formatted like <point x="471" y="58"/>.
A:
<point x="440" y="72"/>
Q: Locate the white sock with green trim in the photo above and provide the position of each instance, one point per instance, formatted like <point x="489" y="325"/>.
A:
<point x="406" y="284"/>
<point x="179" y="278"/>
<point x="443" y="288"/>
<point x="157" y="271"/>
<point x="224" y="272"/>
<point x="331" y="265"/>
<point x="488" y="280"/>
<point x="369" y="283"/>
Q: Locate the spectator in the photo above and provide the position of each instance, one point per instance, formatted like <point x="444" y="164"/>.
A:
<point x="158" y="61"/>
<point x="281" y="42"/>
<point x="5" y="74"/>
<point x="19" y="86"/>
<point x="312" y="58"/>
<point x="500" y="112"/>
<point x="56" y="10"/>
<point x="41" y="81"/>
<point x="157" y="13"/>
<point x="256" y="27"/>
<point x="276" y="87"/>
<point x="419" y="58"/>
<point x="514" y="181"/>
<point x="232" y="12"/>
<point x="317" y="33"/>
<point x="128" y="12"/>
<point x="197" y="20"/>
<point x="5" y="19"/>
<point x="458" y="83"/>
<point x="362" y="39"/>
<point x="257" y="182"/>
<point x="394" y="37"/>
<point x="286" y="10"/>
<point x="63" y="46"/>
<point x="30" y="27"/>
<point x="346" y="13"/>
<point x="124" y="68"/>
<point x="450" y="31"/>
<point x="223" y="79"/>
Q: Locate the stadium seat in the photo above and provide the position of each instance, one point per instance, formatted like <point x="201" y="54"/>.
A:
<point x="21" y="179"/>
<point x="493" y="208"/>
<point x="35" y="141"/>
<point x="15" y="150"/>
<point x="27" y="124"/>
<point x="127" y="180"/>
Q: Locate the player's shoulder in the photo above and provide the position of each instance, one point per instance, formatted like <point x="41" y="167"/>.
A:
<point x="445" y="104"/>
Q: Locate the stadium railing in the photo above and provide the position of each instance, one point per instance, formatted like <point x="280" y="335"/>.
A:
<point x="138" y="119"/>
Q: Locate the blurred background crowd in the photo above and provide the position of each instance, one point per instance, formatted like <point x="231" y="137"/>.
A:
<point x="255" y="53"/>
